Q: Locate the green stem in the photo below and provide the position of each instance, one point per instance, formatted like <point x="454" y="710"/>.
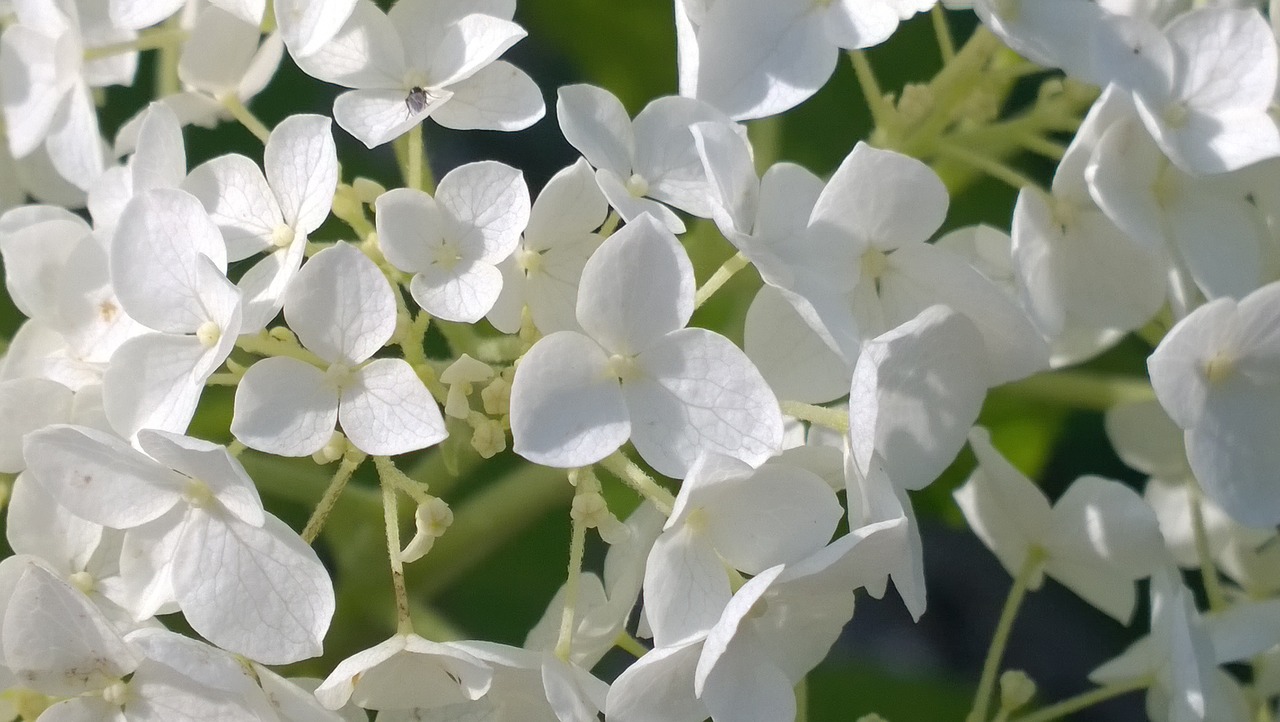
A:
<point x="1080" y="389"/>
<point x="391" y="519"/>
<point x="610" y="224"/>
<point x="1208" y="572"/>
<point x="946" y="44"/>
<point x="735" y="263"/>
<point x="986" y="684"/>
<point x="350" y="462"/>
<point x="266" y="345"/>
<point x="1083" y="701"/>
<point x="620" y="466"/>
<point x="630" y="645"/>
<point x="415" y="156"/>
<point x="802" y="701"/>
<point x="990" y="166"/>
<point x="766" y="139"/>
<point x="158" y="38"/>
<point x="577" y="548"/>
<point x="882" y="111"/>
<point x="245" y="117"/>
<point x="836" y="419"/>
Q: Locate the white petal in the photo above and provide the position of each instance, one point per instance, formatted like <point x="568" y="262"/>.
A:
<point x="284" y="406"/>
<point x="301" y="164"/>
<point x="631" y="207"/>
<point x="152" y="383"/>
<point x="782" y="514"/>
<point x="625" y="311"/>
<point x="883" y="199"/>
<point x="272" y="600"/>
<point x="761" y="57"/>
<point x="699" y="392"/>
<point x="56" y="641"/>
<point x="594" y="122"/>
<point x="746" y="685"/>
<point x="75" y="144"/>
<point x="1004" y="509"/>
<point x="366" y="52"/>
<point x="916" y="392"/>
<point x="685" y="586"/>
<point x="489" y="204"/>
<point x="855" y="24"/>
<point x="341" y="306"/>
<point x="464" y="294"/>
<point x="28" y="405"/>
<point x="731" y="175"/>
<point x="658" y="687"/>
<point x="468" y="44"/>
<point x="566" y="409"/>
<point x="99" y="477"/>
<point x="1014" y="347"/>
<point x="665" y="154"/>
<point x="569" y="204"/>
<point x="220" y="47"/>
<point x="387" y="411"/>
<point x="38" y="525"/>
<point x="309" y="24"/>
<point x="238" y="199"/>
<point x="375" y="117"/>
<point x="139" y="14"/>
<point x="154" y="258"/>
<point x="263" y="286"/>
<point x="1231" y="452"/>
<point x="410" y="226"/>
<point x="498" y="96"/>
<point x="161" y="158"/>
<point x="212" y="465"/>
<point x="28" y="66"/>
<point x="795" y="361"/>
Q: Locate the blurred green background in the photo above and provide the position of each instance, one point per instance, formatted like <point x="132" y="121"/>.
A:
<point x="884" y="664"/>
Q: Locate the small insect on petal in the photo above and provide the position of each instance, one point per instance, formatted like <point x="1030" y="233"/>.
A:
<point x="417" y="100"/>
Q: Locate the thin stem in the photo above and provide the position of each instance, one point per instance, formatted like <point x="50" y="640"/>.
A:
<point x="246" y="118"/>
<point x="766" y="137"/>
<point x="882" y="111"/>
<point x="630" y="645"/>
<point x="1042" y="146"/>
<point x="1083" y="701"/>
<point x="227" y="378"/>
<point x="415" y="157"/>
<point x="990" y="166"/>
<point x="350" y="462"/>
<point x="1080" y="389"/>
<point x="577" y="547"/>
<point x="946" y="44"/>
<point x="266" y="345"/>
<point x="147" y="40"/>
<point x="830" y="418"/>
<point x="1208" y="572"/>
<point x="982" y="701"/>
<point x="620" y="466"/>
<point x="391" y="519"/>
<point x="166" y="72"/>
<point x="735" y="263"/>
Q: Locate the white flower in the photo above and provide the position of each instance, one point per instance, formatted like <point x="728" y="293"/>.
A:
<point x="730" y="515"/>
<point x="274" y="213"/>
<point x="543" y="272"/>
<point x="755" y="58"/>
<point x="342" y="309"/>
<point x="406" y="672"/>
<point x="46" y="94"/>
<point x="168" y="267"/>
<point x="640" y="164"/>
<point x="454" y="242"/>
<point x="1097" y="539"/>
<point x="196" y="534"/>
<point x="1216" y="375"/>
<point x="444" y="53"/>
<point x="637" y="372"/>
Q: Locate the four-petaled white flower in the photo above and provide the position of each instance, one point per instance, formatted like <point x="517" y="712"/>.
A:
<point x="343" y="310"/>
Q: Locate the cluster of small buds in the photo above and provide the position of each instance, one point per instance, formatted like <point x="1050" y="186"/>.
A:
<point x="770" y="482"/>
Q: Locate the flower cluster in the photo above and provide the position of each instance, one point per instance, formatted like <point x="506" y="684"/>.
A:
<point x="439" y="324"/>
